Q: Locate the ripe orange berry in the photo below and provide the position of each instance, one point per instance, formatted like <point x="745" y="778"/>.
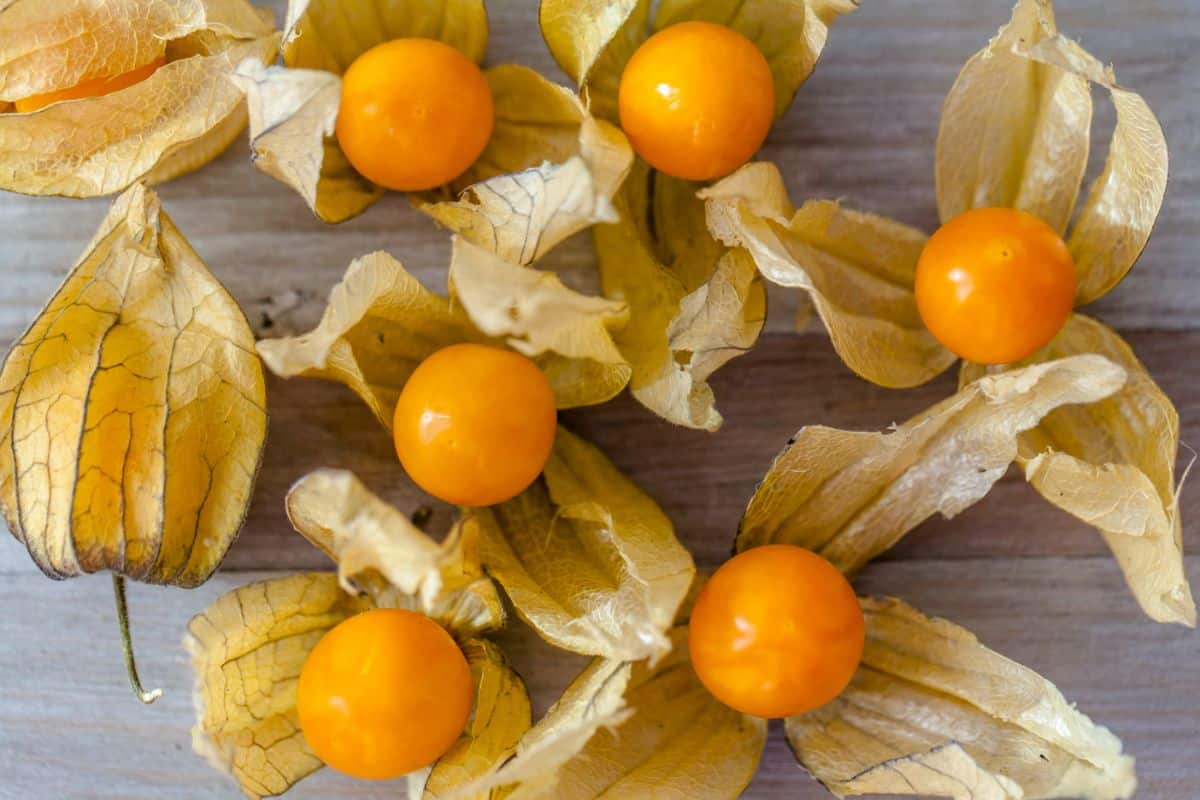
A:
<point x="776" y="631"/>
<point x="93" y="88"/>
<point x="474" y="425"/>
<point x="384" y="693"/>
<point x="994" y="285"/>
<point x="415" y="114"/>
<point x="696" y="100"/>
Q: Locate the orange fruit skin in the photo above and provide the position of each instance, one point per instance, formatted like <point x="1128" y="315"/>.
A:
<point x="93" y="88"/>
<point x="474" y="425"/>
<point x="384" y="693"/>
<point x="414" y="114"/>
<point x="776" y="631"/>
<point x="995" y="285"/>
<point x="696" y="100"/>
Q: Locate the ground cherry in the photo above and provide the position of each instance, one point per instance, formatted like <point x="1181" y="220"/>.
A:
<point x="994" y="285"/>
<point x="776" y="631"/>
<point x="384" y="693"/>
<point x="474" y="425"/>
<point x="415" y="114"/>
<point x="696" y="100"/>
<point x="91" y="88"/>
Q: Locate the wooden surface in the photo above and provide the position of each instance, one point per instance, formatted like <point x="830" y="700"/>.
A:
<point x="1030" y="581"/>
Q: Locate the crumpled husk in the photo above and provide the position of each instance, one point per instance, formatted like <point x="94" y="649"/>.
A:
<point x="381" y="323"/>
<point x="933" y="712"/>
<point x="857" y="268"/>
<point x="1112" y="465"/>
<point x="175" y="120"/>
<point x="694" y="305"/>
<point x="588" y="559"/>
<point x="593" y="39"/>
<point x="132" y="411"/>
<point x="851" y="495"/>
<point x="1015" y="131"/>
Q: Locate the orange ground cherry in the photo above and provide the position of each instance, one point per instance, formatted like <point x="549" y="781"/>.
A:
<point x="696" y="100"/>
<point x="776" y="631"/>
<point x="91" y="88"/>
<point x="474" y="424"/>
<point x="384" y="693"/>
<point x="994" y="285"/>
<point x="415" y="114"/>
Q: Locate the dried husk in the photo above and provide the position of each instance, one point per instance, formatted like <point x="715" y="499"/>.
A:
<point x="588" y="559"/>
<point x="380" y="552"/>
<point x="933" y="712"/>
<point x="694" y="305"/>
<point x="851" y="495"/>
<point x="1015" y="131"/>
<point x="132" y="411"/>
<point x="1112" y="465"/>
<point x="857" y="268"/>
<point x="381" y="323"/>
<point x="593" y="39"/>
<point x="175" y="120"/>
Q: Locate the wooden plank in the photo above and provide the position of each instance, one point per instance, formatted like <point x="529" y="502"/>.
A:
<point x="69" y="728"/>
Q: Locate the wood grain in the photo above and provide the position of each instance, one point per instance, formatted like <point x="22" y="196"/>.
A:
<point x="1032" y="582"/>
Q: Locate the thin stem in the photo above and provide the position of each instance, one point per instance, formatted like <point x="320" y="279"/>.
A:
<point x="127" y="643"/>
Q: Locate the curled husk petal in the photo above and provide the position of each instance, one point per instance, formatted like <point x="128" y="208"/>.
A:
<point x="933" y="712"/>
<point x="857" y="268"/>
<point x="586" y="557"/>
<point x="1112" y="465"/>
<point x="593" y="39"/>
<point x="132" y="411"/>
<point x="549" y="170"/>
<point x="536" y="315"/>
<point x="851" y="495"/>
<point x="1116" y="219"/>
<point x="247" y="650"/>
<point x="176" y="119"/>
<point x="694" y="304"/>
<point x="379" y="551"/>
<point x="1014" y="132"/>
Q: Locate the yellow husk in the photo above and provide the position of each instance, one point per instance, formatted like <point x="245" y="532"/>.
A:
<point x="180" y="117"/>
<point x="933" y="712"/>
<point x="850" y="496"/>
<point x="132" y="411"/>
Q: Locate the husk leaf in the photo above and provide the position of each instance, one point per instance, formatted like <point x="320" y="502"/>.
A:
<point x="694" y="305"/>
<point x="1112" y="465"/>
<point x="175" y="120"/>
<point x="857" y="268"/>
<point x="247" y="650"/>
<point x="379" y="551"/>
<point x="849" y="495"/>
<point x="987" y="728"/>
<point x="586" y="557"/>
<point x="132" y="411"/>
<point x="1014" y="132"/>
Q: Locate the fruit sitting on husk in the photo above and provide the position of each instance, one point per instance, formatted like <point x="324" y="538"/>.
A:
<point x="696" y="100"/>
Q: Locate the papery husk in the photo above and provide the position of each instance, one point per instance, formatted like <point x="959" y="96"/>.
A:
<point x="381" y="323"/>
<point x="1112" y="465"/>
<point x="933" y="712"/>
<point x="851" y="495"/>
<point x="549" y="171"/>
<point x="247" y="650"/>
<point x="380" y="552"/>
<point x="588" y="560"/>
<point x="178" y="118"/>
<point x="1014" y="132"/>
<point x="857" y="268"/>
<point x="593" y="39"/>
<point x="694" y="304"/>
<point x="132" y="411"/>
